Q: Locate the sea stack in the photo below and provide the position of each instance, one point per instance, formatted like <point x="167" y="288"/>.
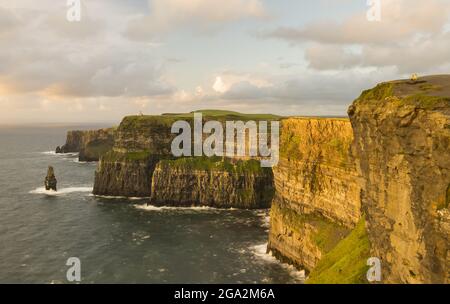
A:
<point x="50" y="179"/>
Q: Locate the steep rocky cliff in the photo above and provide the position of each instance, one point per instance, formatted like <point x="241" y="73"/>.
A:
<point x="125" y="174"/>
<point x="90" y="144"/>
<point x="139" y="143"/>
<point x="212" y="182"/>
<point x="317" y="198"/>
<point x="141" y="165"/>
<point x="402" y="143"/>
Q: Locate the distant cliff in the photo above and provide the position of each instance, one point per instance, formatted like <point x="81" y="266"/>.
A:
<point x="141" y="165"/>
<point x="89" y="144"/>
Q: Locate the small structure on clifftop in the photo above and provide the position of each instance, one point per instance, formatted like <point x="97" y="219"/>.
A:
<point x="50" y="179"/>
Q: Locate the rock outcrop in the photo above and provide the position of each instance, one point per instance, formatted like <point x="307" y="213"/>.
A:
<point x="402" y="143"/>
<point x="212" y="182"/>
<point x="90" y="145"/>
<point x="125" y="174"/>
<point x="141" y="165"/>
<point x="139" y="143"/>
<point x="50" y="180"/>
<point x="317" y="197"/>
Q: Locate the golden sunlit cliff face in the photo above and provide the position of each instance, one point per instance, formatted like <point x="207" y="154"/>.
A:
<point x="402" y="144"/>
<point x="390" y="168"/>
<point x="317" y="197"/>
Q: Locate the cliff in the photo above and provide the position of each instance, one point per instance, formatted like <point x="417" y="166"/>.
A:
<point x="317" y="197"/>
<point x="90" y="144"/>
<point x="402" y="143"/>
<point x="139" y="143"/>
<point x="212" y="182"/>
<point x="141" y="165"/>
<point x="125" y="174"/>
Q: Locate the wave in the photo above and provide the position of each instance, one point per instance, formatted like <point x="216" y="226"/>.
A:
<point x="264" y="215"/>
<point x="76" y="160"/>
<point x="119" y="197"/>
<point x="53" y="153"/>
<point x="260" y="251"/>
<point x="195" y="208"/>
<point x="62" y="191"/>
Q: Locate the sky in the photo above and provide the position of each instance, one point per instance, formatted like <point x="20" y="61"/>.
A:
<point x="287" y="57"/>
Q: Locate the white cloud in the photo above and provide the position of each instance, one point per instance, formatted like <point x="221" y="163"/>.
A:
<point x="200" y="15"/>
<point x="411" y="37"/>
<point x="219" y="86"/>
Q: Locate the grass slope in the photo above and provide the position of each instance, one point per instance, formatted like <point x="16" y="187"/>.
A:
<point x="345" y="263"/>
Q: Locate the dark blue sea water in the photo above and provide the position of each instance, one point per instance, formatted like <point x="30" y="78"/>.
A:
<point x="117" y="240"/>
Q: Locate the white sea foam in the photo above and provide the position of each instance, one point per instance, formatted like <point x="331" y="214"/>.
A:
<point x="49" y="153"/>
<point x="155" y="208"/>
<point x="59" y="154"/>
<point x="260" y="251"/>
<point x="63" y="191"/>
<point x="120" y="197"/>
<point x="77" y="161"/>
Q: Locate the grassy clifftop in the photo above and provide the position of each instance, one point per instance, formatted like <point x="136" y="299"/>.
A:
<point x="427" y="92"/>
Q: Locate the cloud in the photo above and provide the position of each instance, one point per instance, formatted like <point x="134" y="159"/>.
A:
<point x="49" y="56"/>
<point x="199" y="15"/>
<point x="400" y="20"/>
<point x="411" y="36"/>
<point x="9" y="22"/>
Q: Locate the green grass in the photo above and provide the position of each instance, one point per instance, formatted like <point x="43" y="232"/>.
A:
<point x="420" y="98"/>
<point x="132" y="156"/>
<point x="425" y="101"/>
<point x="98" y="148"/>
<point x="346" y="263"/>
<point x="380" y="92"/>
<point x="430" y="87"/>
<point x="216" y="164"/>
<point x="167" y="119"/>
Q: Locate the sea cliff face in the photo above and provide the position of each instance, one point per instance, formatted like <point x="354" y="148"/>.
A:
<point x="139" y="143"/>
<point x="317" y="197"/>
<point x="402" y="143"/>
<point x="141" y="165"/>
<point x="91" y="144"/>
<point x="124" y="174"/>
<point x="220" y="183"/>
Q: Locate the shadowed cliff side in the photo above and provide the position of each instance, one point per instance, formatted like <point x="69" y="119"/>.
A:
<point x="402" y="143"/>
<point x="91" y="144"/>
<point x="141" y="165"/>
<point x="217" y="182"/>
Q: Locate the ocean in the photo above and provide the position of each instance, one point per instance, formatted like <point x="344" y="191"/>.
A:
<point x="117" y="240"/>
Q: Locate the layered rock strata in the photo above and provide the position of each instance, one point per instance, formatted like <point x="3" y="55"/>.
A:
<point x="402" y="143"/>
<point x="317" y="197"/>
